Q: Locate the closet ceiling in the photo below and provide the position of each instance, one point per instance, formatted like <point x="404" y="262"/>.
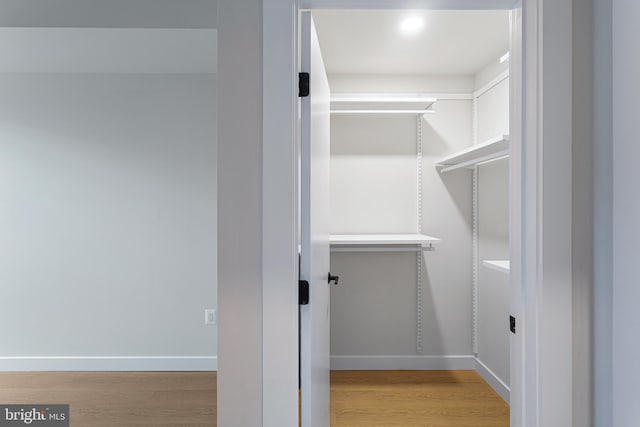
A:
<point x="449" y="42"/>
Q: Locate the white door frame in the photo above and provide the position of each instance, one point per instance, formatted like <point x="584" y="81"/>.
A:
<point x="541" y="226"/>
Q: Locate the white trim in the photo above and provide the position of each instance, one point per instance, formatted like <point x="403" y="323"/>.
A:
<point x="493" y="380"/>
<point x="545" y="318"/>
<point x="109" y="363"/>
<point x="391" y="363"/>
<point x="517" y="398"/>
<point x="279" y="219"/>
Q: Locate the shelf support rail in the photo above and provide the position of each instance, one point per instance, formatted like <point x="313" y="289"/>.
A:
<point x="475" y="238"/>
<point x="419" y="254"/>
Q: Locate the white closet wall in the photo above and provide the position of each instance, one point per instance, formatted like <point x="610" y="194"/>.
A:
<point x="493" y="296"/>
<point x="375" y="180"/>
<point x="447" y="210"/>
<point x="374" y="190"/>
<point x="493" y="112"/>
<point x="493" y="233"/>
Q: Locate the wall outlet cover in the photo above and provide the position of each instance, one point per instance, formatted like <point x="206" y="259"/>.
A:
<point x="210" y="316"/>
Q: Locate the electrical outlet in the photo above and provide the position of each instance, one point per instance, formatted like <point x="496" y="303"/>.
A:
<point x="210" y="316"/>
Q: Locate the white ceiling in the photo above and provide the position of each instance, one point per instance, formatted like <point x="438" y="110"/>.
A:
<point x="450" y="42"/>
<point x="107" y="50"/>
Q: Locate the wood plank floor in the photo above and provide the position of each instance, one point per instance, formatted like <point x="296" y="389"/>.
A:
<point x="119" y="399"/>
<point x="414" y="398"/>
<point x="188" y="399"/>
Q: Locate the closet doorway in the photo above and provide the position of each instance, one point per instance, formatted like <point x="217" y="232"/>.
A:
<point x="417" y="115"/>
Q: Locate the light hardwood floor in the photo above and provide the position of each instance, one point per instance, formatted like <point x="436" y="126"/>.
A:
<point x="414" y="398"/>
<point x="119" y="399"/>
<point x="188" y="399"/>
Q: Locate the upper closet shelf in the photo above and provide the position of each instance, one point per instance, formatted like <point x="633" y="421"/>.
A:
<point x="499" y="265"/>
<point x="493" y="149"/>
<point x="382" y="104"/>
<point x="382" y="242"/>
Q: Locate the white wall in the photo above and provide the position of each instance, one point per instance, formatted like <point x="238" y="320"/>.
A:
<point x="493" y="231"/>
<point x="108" y="242"/>
<point x="490" y="72"/>
<point x="493" y="112"/>
<point x="374" y="183"/>
<point x="373" y="83"/>
<point x="626" y="211"/>
<point x="493" y="286"/>
<point x="446" y="207"/>
<point x="374" y="190"/>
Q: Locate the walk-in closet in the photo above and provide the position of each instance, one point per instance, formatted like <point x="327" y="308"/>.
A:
<point x="419" y="192"/>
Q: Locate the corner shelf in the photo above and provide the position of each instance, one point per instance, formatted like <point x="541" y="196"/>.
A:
<point x="382" y="242"/>
<point x="501" y="265"/>
<point x="492" y="149"/>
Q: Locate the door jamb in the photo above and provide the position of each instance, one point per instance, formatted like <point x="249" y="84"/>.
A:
<point x="544" y="309"/>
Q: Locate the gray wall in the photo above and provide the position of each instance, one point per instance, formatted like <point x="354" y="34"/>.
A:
<point x="603" y="216"/>
<point x="374" y="190"/>
<point x="109" y="14"/>
<point x="626" y="211"/>
<point x="582" y="251"/>
<point x="108" y="229"/>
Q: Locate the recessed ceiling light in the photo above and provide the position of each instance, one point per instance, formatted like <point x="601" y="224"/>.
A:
<point x="411" y="24"/>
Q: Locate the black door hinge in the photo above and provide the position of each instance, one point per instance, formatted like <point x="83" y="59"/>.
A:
<point x="512" y="324"/>
<point x="303" y="85"/>
<point x="303" y="292"/>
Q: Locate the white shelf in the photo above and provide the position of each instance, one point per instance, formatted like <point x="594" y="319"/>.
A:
<point x="499" y="265"/>
<point x="381" y="242"/>
<point x="382" y="104"/>
<point x="480" y="153"/>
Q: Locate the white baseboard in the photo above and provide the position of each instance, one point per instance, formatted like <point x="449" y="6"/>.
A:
<point x="390" y="363"/>
<point x="113" y="363"/>
<point x="493" y="380"/>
